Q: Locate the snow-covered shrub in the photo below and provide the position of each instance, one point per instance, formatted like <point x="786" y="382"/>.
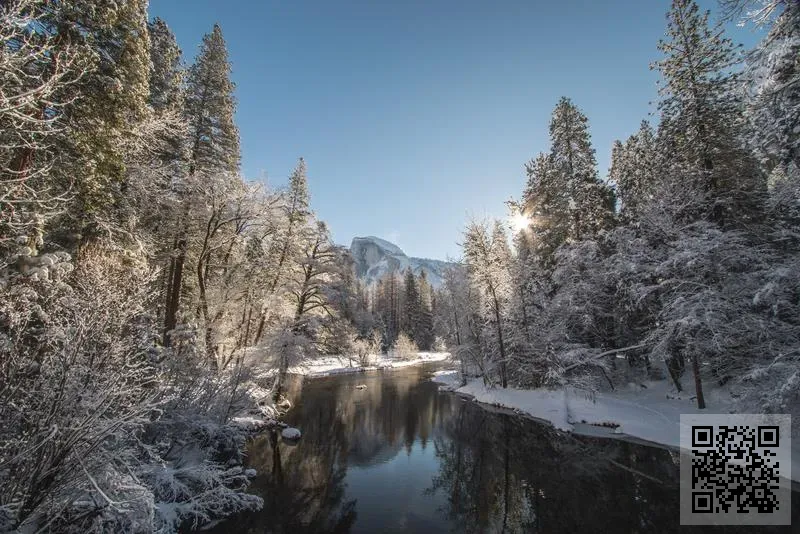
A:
<point x="439" y="344"/>
<point x="95" y="408"/>
<point x="403" y="348"/>
<point x="365" y="350"/>
<point x="193" y="495"/>
<point x="74" y="349"/>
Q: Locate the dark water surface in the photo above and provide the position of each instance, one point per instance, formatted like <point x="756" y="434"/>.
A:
<point x="400" y="456"/>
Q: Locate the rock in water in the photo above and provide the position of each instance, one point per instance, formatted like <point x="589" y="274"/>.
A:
<point x="290" y="433"/>
<point x="361" y="386"/>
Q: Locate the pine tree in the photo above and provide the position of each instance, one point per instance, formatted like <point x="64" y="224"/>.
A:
<point x="619" y="169"/>
<point x="701" y="116"/>
<point x="107" y="104"/>
<point x="772" y="79"/>
<point x="388" y="308"/>
<point x="166" y="73"/>
<point x="634" y="167"/>
<point x="590" y="203"/>
<point x="411" y="306"/>
<point x="37" y="70"/>
<point x="546" y="202"/>
<point x="168" y="133"/>
<point x="210" y="107"/>
<point x="424" y="335"/>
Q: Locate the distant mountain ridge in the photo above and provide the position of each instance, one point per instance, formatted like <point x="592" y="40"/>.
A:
<point x="375" y="257"/>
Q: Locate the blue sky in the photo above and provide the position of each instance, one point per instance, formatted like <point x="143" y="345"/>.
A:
<point x="415" y="116"/>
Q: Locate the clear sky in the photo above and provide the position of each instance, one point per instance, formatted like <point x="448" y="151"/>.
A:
<point x="414" y="116"/>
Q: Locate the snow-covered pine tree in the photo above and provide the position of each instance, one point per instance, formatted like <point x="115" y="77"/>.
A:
<point x="167" y="101"/>
<point x="546" y="202"/>
<point x="37" y="69"/>
<point x="701" y="118"/>
<point x="590" y="201"/>
<point x="166" y="72"/>
<point x="410" y="315"/>
<point x="388" y="307"/>
<point x="424" y="335"/>
<point x="296" y="214"/>
<point x="210" y="107"/>
<point x="103" y="105"/>
<point x="634" y="167"/>
<point x="618" y="169"/>
<point x="112" y="103"/>
<point x="772" y="81"/>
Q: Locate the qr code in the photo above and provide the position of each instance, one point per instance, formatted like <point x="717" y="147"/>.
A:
<point x="735" y="469"/>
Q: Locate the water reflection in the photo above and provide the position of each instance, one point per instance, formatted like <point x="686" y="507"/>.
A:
<point x="401" y="457"/>
<point x="512" y="476"/>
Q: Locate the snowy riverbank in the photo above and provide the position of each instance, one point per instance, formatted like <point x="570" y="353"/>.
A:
<point x="649" y="411"/>
<point x="334" y="365"/>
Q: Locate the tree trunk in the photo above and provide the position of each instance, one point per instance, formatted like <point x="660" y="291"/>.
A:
<point x="282" y="370"/>
<point x="502" y="347"/>
<point x="698" y="383"/>
<point x="166" y="287"/>
<point x="524" y="313"/>
<point x="174" y="294"/>
<point x="458" y="328"/>
<point x="249" y="322"/>
<point x="260" y="330"/>
<point x="211" y="350"/>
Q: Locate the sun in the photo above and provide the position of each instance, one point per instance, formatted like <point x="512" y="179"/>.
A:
<point x="520" y="222"/>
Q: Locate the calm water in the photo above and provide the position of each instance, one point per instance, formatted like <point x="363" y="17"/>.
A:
<point x="402" y="457"/>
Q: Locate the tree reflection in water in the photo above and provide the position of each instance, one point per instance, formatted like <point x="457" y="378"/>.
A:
<point x="499" y="472"/>
<point x="502" y="473"/>
<point x="401" y="457"/>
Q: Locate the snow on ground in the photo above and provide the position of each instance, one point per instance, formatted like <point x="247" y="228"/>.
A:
<point x="550" y="405"/>
<point x="333" y="365"/>
<point x="649" y="411"/>
<point x="448" y="379"/>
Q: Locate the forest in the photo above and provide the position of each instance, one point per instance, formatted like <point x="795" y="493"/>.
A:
<point x="150" y="294"/>
<point x="681" y="264"/>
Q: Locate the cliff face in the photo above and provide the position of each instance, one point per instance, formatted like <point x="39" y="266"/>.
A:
<point x="375" y="257"/>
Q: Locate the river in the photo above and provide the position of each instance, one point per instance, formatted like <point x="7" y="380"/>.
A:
<point x="402" y="457"/>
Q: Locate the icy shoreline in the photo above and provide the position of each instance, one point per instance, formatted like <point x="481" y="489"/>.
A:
<point x="649" y="412"/>
<point x="335" y="365"/>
